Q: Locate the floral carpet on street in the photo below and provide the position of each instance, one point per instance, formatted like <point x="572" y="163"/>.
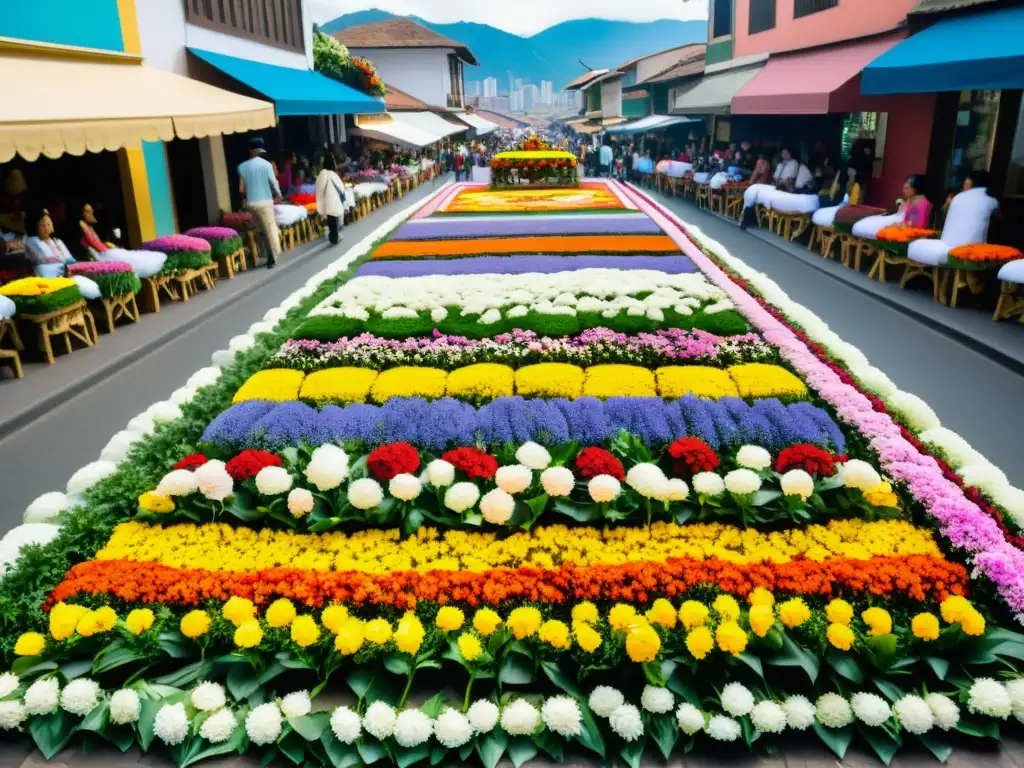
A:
<point x="608" y="499"/>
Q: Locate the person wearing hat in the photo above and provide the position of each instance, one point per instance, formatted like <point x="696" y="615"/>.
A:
<point x="258" y="187"/>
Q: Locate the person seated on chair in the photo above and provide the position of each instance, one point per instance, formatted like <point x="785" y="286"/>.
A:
<point x="48" y="254"/>
<point x="916" y="209"/>
<point x="804" y="184"/>
<point x="836" y="193"/>
<point x="762" y="173"/>
<point x="786" y="171"/>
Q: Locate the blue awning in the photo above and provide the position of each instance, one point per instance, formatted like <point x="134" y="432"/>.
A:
<point x="982" y="51"/>
<point x="294" y="91"/>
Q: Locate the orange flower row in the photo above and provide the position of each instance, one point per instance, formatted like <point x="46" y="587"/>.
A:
<point x="983" y="252"/>
<point x="920" y="577"/>
<point x="542" y="244"/>
<point x="898" y="234"/>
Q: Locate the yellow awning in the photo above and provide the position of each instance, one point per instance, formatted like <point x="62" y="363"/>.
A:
<point x="60" y="106"/>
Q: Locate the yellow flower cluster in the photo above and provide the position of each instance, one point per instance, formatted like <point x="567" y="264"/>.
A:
<point x="958" y="610"/>
<point x="550" y="380"/>
<point x="483" y="381"/>
<point x="36" y="286"/>
<point x="217" y="546"/>
<point x="764" y="380"/>
<point x="619" y="380"/>
<point x="151" y="501"/>
<point x="702" y="381"/>
<point x="407" y="381"/>
<point x="882" y="495"/>
<point x="338" y="385"/>
<point x="278" y="385"/>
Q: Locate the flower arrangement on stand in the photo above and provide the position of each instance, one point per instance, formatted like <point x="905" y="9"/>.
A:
<point x="552" y="168"/>
<point x="114" y="278"/>
<point x="223" y="241"/>
<point x="982" y="255"/>
<point x="183" y="252"/>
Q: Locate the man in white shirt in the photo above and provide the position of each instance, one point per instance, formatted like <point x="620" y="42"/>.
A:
<point x="786" y="171"/>
<point x="804" y="183"/>
<point x="605" y="159"/>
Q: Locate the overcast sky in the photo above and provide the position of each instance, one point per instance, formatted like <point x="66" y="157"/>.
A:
<point x="522" y="17"/>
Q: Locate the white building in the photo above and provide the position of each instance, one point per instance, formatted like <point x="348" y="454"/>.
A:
<point x="490" y="87"/>
<point x="531" y="97"/>
<point x="546" y="92"/>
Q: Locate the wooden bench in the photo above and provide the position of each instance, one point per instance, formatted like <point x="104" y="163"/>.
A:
<point x="827" y="238"/>
<point x="11" y="356"/>
<point x="234" y="262"/>
<point x="790" y="225"/>
<point x="75" y="320"/>
<point x="118" y="307"/>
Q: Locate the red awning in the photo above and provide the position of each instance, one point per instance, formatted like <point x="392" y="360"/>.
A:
<point x="813" y="82"/>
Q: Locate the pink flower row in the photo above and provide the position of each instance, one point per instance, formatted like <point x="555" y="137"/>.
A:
<point x="99" y="268"/>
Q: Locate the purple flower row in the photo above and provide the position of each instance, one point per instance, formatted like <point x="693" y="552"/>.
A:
<point x="441" y="424"/>
<point x="519" y="265"/>
<point x="591" y="347"/>
<point x="211" y="233"/>
<point x="495" y="226"/>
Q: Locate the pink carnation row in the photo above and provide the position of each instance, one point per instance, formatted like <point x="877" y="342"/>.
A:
<point x="99" y="267"/>
<point x="172" y="243"/>
<point x="961" y="521"/>
<point x="211" y="233"/>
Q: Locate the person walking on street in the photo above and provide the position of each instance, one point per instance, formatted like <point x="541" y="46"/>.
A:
<point x="330" y="198"/>
<point x="259" y="188"/>
<point x="605" y="159"/>
<point x="459" y="160"/>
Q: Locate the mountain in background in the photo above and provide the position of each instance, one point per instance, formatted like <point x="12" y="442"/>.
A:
<point x="553" y="54"/>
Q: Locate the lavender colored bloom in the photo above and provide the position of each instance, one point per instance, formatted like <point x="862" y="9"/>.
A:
<point x="518" y="265"/>
<point x="820" y="424"/>
<point x="698" y="420"/>
<point x="288" y="424"/>
<point x="361" y="422"/>
<point x="456" y="228"/>
<point x="586" y="419"/>
<point x="447" y="423"/>
<point x="643" y="416"/>
<point x="231" y="428"/>
<point x="516" y="420"/>
<point x="211" y="233"/>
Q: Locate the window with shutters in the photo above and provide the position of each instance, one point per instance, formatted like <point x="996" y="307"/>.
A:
<point x="272" y="22"/>
<point x="762" y="16"/>
<point x="807" y="7"/>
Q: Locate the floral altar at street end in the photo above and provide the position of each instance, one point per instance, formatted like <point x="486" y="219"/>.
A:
<point x="614" y="504"/>
<point x="536" y="163"/>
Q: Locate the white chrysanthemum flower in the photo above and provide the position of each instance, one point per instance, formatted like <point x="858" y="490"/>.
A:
<point x="46" y="508"/>
<point x="859" y="474"/>
<point x="208" y="697"/>
<point x="116" y="449"/>
<point x="676" y="490"/>
<point x="490" y="317"/>
<point x="562" y="715"/>
<point x="874" y="380"/>
<point x="365" y="493"/>
<point x="412" y="728"/>
<point x="8" y="684"/>
<point x="483" y="716"/>
<point x="327" y="468"/>
<point x="497" y="506"/>
<point x="518" y="311"/>
<point x="452" y="729"/>
<point x="440" y="473"/>
<point x="1011" y="499"/>
<point x="125" y="707"/>
<point x="708" y="484"/>
<point x="604" y="700"/>
<point x="557" y="481"/>
<point x="753" y="457"/>
<point x="796" y="482"/>
<point x="405" y="487"/>
<point x="42" y="696"/>
<point x="914" y="714"/>
<point x="163" y="412"/>
<point x="989" y="697"/>
<point x="80" y="696"/>
<point x="177" y="482"/>
<point x="520" y="718"/>
<point x="983" y="475"/>
<point x="916" y="413"/>
<point x="12" y="715"/>
<point x="721" y="728"/>
<point x="141" y="424"/>
<point x="296" y="704"/>
<point x="737" y="699"/>
<point x="219" y="726"/>
<point x="300" y="502"/>
<point x="870" y="708"/>
<point x="213" y="481"/>
<point x="768" y="717"/>
<point x="1016" y="690"/>
<point x="957" y="450"/>
<point x="833" y="711"/>
<point x="171" y="724"/>
<point x="438" y="314"/>
<point x="533" y="455"/>
<point x="946" y="711"/>
<point x="742" y="482"/>
<point x="182" y="395"/>
<point x="799" y="712"/>
<point x="264" y="723"/>
<point x="22" y="536"/>
<point x="657" y="700"/>
<point x="399" y="313"/>
<point x="346" y="725"/>
<point x="86" y="477"/>
<point x="689" y="718"/>
<point x="627" y="722"/>
<point x="648" y="480"/>
<point x="379" y="720"/>
<point x="273" y="481"/>
<point x="604" y="488"/>
<point x="241" y="343"/>
<point x="204" y="377"/>
<point x="514" y="478"/>
<point x="461" y="497"/>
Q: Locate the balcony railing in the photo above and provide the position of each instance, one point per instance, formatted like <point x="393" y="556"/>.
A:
<point x="271" y="22"/>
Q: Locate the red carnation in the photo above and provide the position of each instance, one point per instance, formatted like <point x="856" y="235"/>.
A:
<point x="472" y="462"/>
<point x="192" y="462"/>
<point x="248" y="464"/>
<point x="393" y="459"/>
<point x="691" y="455"/>
<point x="592" y="462"/>
<point x="810" y="458"/>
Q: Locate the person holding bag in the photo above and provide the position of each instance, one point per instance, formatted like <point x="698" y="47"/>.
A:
<point x="330" y="198"/>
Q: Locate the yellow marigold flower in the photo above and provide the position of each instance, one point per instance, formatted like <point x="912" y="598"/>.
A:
<point x="973" y="623"/>
<point x="378" y="631"/>
<point x="139" y="620"/>
<point x="238" y="610"/>
<point x="731" y="638"/>
<point x="195" y="624"/>
<point x="954" y="607"/>
<point x="249" y="634"/>
<point x="64" y="617"/>
<point x="765" y="380"/>
<point x="334" y="617"/>
<point x="882" y="495"/>
<point x="277" y="384"/>
<point x="675" y="381"/>
<point x="29" y="644"/>
<point x="878" y="620"/>
<point x="761" y="596"/>
<point x="469" y="647"/>
<point x="840" y="636"/>
<point x="338" y="385"/>
<point x="550" y="380"/>
<point x="106" y="617"/>
<point x="727" y="607"/>
<point x="281" y="613"/>
<point x="700" y="642"/>
<point x="619" y="381"/>
<point x="305" y="631"/>
<point x="88" y="625"/>
<point x="762" y="618"/>
<point x="621" y="616"/>
<point x="693" y="614"/>
<point x="409" y="382"/>
<point x="794" y="612"/>
<point x="410" y="633"/>
<point x="643" y="644"/>
<point x="587" y="638"/>
<point x="839" y="611"/>
<point x="925" y="626"/>
<point x="350" y="637"/>
<point x="450" y="619"/>
<point x="524" y="622"/>
<point x="662" y="613"/>
<point x="555" y="634"/>
<point x="482" y="381"/>
<point x="151" y="501"/>
<point x="585" y="612"/>
<point x="486" y="622"/>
